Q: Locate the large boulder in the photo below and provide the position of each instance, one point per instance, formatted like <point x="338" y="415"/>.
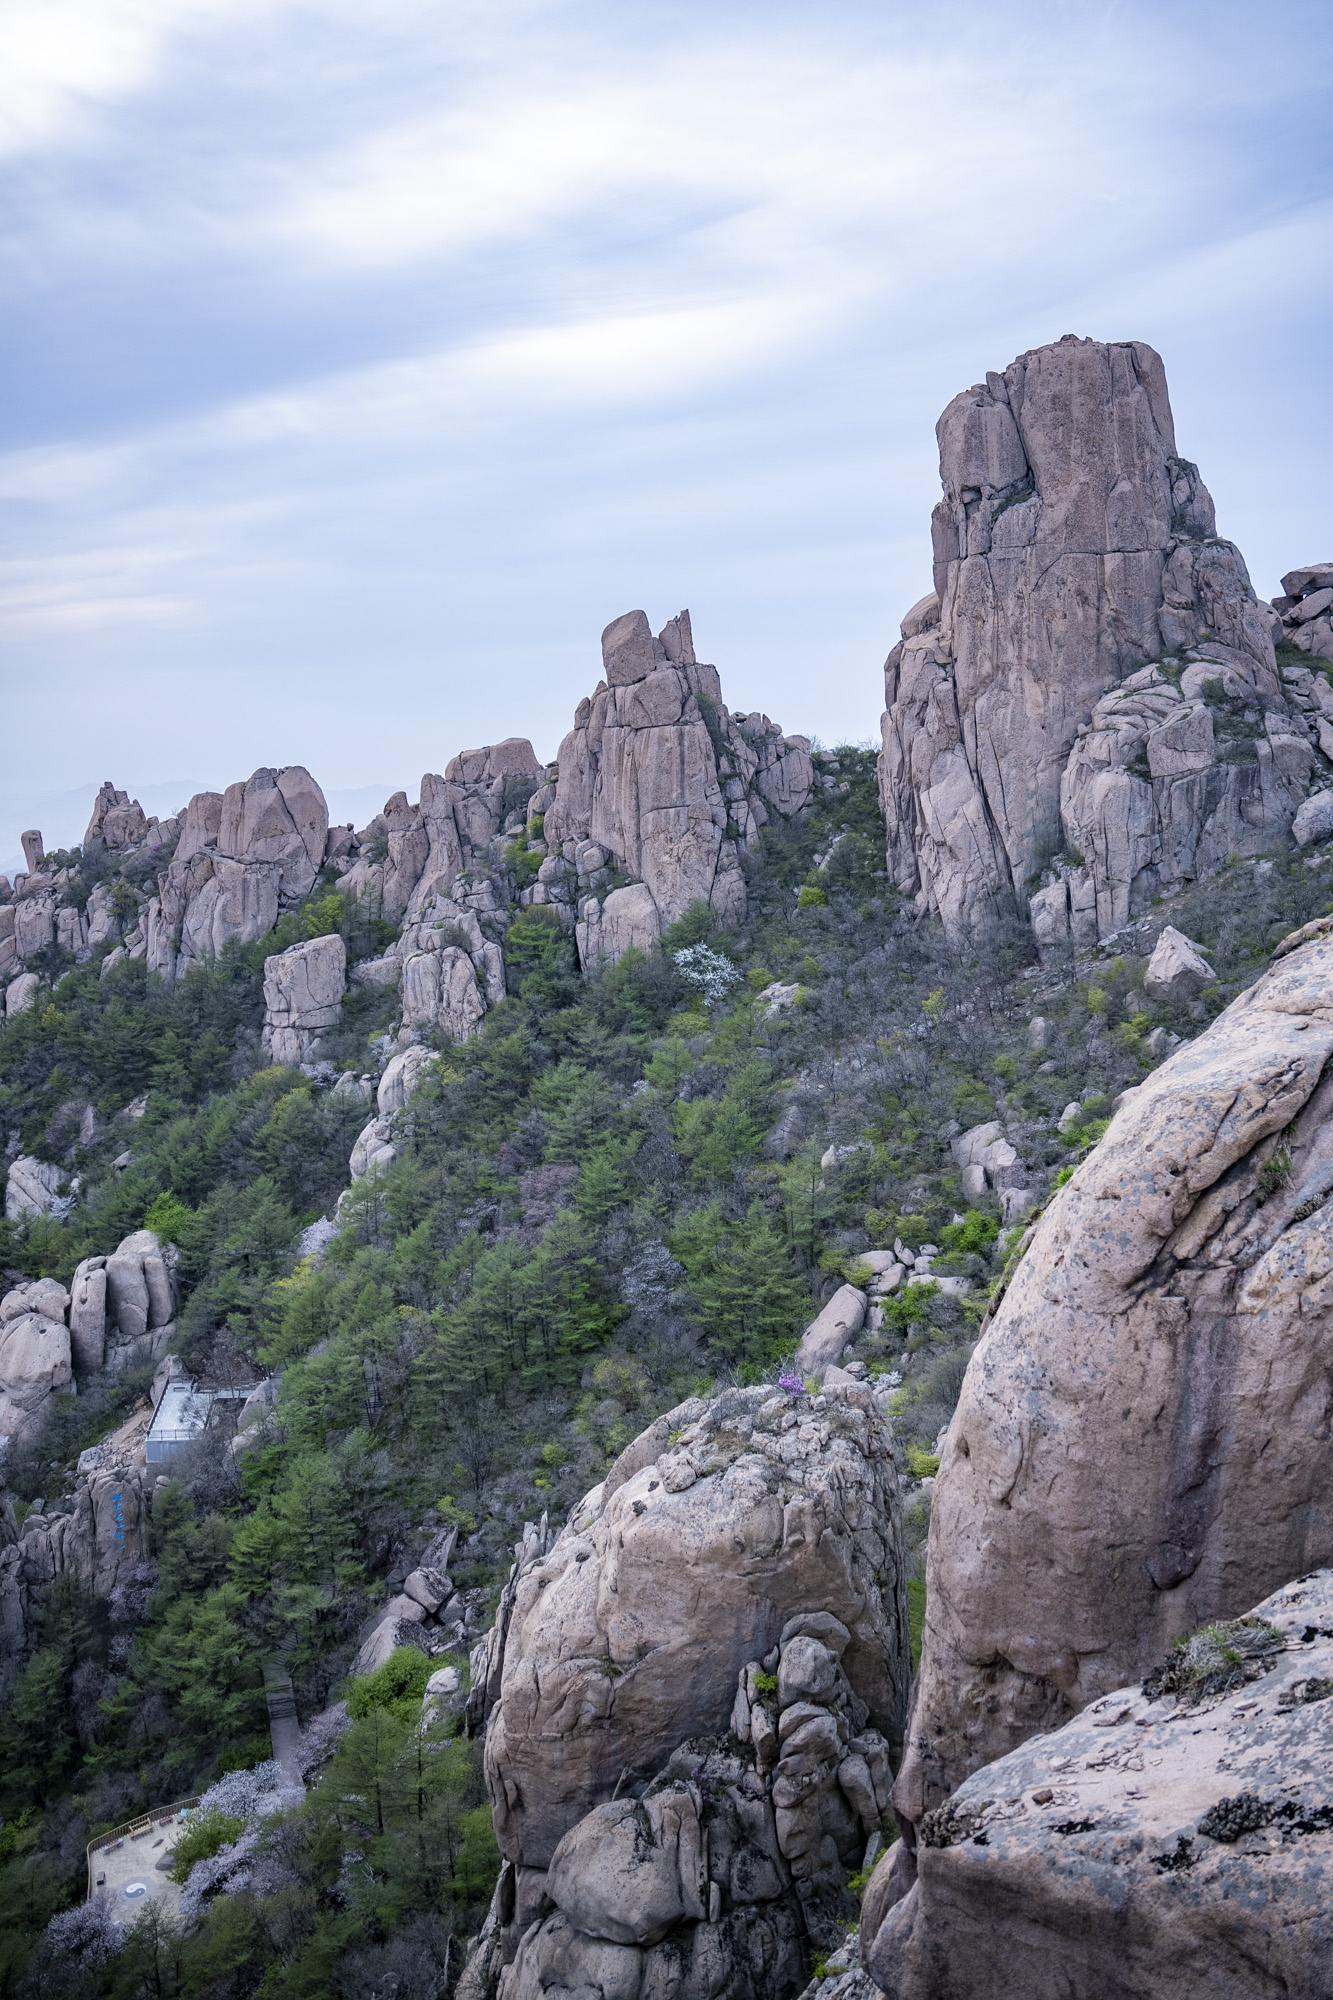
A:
<point x="831" y="1331"/>
<point x="303" y="991"/>
<point x="1073" y="547"/>
<point x="87" y="1317"/>
<point x="1142" y="1444"/>
<point x="514" y="758"/>
<point x="21" y="994"/>
<point x="658" y="782"/>
<point x="1314" y="821"/>
<point x="1176" y="1839"/>
<point x="737" y="1579"/>
<point x="373" y="1151"/>
<point x="123" y="1307"/>
<point x="34" y="1366"/>
<point x="1305" y="610"/>
<point x="1177" y="969"/>
<point x="46" y="1296"/>
<point x="402" y="1074"/>
<point x="987" y="1160"/>
<point x="608" y="927"/>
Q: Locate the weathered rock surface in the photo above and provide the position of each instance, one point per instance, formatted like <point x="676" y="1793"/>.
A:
<point x="97" y="1533"/>
<point x="31" y="1187"/>
<point x="1152" y="1846"/>
<point x="772" y="1529"/>
<point x="411" y="853"/>
<point x="1072" y="548"/>
<point x="440" y="991"/>
<point x="660" y="783"/>
<point x="243" y="854"/>
<point x="303" y="990"/>
<point x="34" y="1365"/>
<point x="1306" y="610"/>
<point x="1141" y="1444"/>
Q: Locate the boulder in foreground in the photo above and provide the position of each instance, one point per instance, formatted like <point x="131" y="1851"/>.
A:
<point x="694" y="1693"/>
<point x="1142" y="1441"/>
<point x="1176" y="1839"/>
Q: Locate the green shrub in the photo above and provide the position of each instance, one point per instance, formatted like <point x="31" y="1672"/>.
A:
<point x="523" y="863"/>
<point x="809" y="897"/>
<point x="169" y="1219"/>
<point x="205" y="1835"/>
<point x="974" y="1234"/>
<point x="923" y="1464"/>
<point x="910" y="1306"/>
<point x="399" y="1683"/>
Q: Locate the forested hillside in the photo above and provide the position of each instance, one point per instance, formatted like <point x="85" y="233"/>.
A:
<point x="622" y="1189"/>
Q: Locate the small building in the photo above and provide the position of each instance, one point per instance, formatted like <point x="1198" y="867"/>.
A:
<point x="184" y="1413"/>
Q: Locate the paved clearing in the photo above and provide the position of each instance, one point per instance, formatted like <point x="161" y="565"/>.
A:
<point x="135" y="1861"/>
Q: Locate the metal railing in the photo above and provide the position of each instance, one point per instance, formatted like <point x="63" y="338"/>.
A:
<point x="134" y="1829"/>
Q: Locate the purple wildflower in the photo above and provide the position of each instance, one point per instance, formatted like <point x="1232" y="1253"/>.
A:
<point x="792" y="1384"/>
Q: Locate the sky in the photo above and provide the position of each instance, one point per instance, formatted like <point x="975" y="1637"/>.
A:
<point x="359" y="363"/>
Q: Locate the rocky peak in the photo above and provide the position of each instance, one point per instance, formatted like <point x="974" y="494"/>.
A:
<point x="243" y="855"/>
<point x="1024" y="761"/>
<point x="117" y="820"/>
<point x="657" y="782"/>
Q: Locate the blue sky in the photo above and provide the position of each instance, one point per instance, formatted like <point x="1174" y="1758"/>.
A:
<point x="361" y="362"/>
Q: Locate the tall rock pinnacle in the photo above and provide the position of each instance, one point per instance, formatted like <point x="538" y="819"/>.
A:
<point x="1086" y="710"/>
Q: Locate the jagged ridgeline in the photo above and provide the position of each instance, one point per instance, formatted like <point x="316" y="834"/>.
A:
<point x="521" y="1323"/>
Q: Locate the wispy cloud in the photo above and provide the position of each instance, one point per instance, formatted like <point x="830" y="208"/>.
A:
<point x="371" y="358"/>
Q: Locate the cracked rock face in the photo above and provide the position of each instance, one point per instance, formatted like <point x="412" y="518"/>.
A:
<point x="101" y="1536"/>
<point x="1073" y="547"/>
<point x="303" y="990"/>
<point x="242" y="855"/>
<point x="694" y="1692"/>
<point x="409" y="854"/>
<point x="1179" y="1845"/>
<point x="1142" y="1441"/>
<point x="34" y="1366"/>
<point x="660" y="783"/>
